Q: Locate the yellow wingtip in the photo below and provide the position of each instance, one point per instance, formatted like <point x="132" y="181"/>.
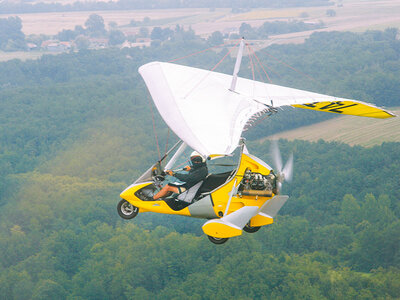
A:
<point x="348" y="107"/>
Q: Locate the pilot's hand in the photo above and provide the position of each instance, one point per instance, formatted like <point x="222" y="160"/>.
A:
<point x="169" y="172"/>
<point x="187" y="168"/>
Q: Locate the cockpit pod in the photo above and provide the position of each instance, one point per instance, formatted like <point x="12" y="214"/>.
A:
<point x="243" y="187"/>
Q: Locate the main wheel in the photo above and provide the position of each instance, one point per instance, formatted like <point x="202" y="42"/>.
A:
<point x="126" y="210"/>
<point x="217" y="241"/>
<point x="251" y="229"/>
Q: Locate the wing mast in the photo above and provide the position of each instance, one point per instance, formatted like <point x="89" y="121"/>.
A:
<point x="237" y="65"/>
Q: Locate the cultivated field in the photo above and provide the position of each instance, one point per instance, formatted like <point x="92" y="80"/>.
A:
<point x="351" y="15"/>
<point x="350" y="130"/>
<point x="22" y="55"/>
<point x="52" y="23"/>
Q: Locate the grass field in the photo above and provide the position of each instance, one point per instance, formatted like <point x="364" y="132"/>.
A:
<point x="4" y="56"/>
<point x="266" y="14"/>
<point x="54" y="22"/>
<point x="351" y="15"/>
<point x="350" y="130"/>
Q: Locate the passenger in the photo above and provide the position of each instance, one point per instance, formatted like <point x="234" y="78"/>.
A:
<point x="197" y="172"/>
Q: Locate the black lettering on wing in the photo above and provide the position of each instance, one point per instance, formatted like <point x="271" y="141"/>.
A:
<point x="332" y="105"/>
<point x="310" y="104"/>
<point x="339" y="110"/>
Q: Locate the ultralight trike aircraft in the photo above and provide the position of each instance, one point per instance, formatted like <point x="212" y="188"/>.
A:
<point x="209" y="111"/>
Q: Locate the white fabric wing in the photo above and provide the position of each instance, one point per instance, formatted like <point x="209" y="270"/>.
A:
<point x="198" y="105"/>
<point x="200" y="108"/>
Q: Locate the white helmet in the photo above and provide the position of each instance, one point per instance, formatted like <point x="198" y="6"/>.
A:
<point x="197" y="156"/>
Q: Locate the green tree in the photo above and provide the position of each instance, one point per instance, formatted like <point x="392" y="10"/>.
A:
<point x="116" y="37"/>
<point x="246" y="31"/>
<point x="304" y="15"/>
<point x="216" y="38"/>
<point x="332" y="238"/>
<point x="331" y="13"/>
<point x="350" y="212"/>
<point x="48" y="289"/>
<point x="95" y="26"/>
<point x="11" y="36"/>
<point x="143" y="32"/>
<point x="82" y="42"/>
<point x="67" y="35"/>
<point x="156" y="33"/>
<point x="113" y="25"/>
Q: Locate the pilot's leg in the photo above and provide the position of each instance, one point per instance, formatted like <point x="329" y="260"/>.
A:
<point x="165" y="190"/>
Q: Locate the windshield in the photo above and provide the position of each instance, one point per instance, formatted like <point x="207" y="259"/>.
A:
<point x="215" y="165"/>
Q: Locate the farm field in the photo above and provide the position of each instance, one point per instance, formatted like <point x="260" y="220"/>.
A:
<point x="22" y="55"/>
<point x="356" y="16"/>
<point x="351" y="130"/>
<point x="351" y="15"/>
<point x="54" y="22"/>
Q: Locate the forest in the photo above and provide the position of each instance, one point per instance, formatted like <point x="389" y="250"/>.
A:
<point x="76" y="129"/>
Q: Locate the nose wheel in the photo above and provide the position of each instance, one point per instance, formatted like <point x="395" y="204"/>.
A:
<point x="126" y="210"/>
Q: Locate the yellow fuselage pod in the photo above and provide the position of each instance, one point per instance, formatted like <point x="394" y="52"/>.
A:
<point x="222" y="194"/>
<point x="227" y="201"/>
<point x="158" y="206"/>
<point x="222" y="201"/>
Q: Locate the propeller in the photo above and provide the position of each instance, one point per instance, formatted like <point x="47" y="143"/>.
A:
<point x="283" y="173"/>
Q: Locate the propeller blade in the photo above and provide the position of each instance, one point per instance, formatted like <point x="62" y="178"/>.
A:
<point x="276" y="156"/>
<point x="288" y="169"/>
<point x="283" y="173"/>
<point x="279" y="183"/>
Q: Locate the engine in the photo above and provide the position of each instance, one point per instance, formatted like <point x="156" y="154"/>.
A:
<point x="256" y="184"/>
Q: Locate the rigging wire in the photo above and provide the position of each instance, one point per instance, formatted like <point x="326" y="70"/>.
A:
<point x="251" y="61"/>
<point x="154" y="126"/>
<point x="205" y="76"/>
<point x="269" y="79"/>
<point x="166" y="143"/>
<point x="174" y="60"/>
<point x="225" y="56"/>
<point x="251" y="54"/>
<point x="289" y="66"/>
<point x="181" y="164"/>
<point x="201" y="51"/>
<point x="255" y="119"/>
<point x="257" y="66"/>
<point x="259" y="62"/>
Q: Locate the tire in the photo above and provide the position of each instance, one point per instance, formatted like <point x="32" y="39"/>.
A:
<point x="217" y="241"/>
<point x="126" y="210"/>
<point x="250" y="229"/>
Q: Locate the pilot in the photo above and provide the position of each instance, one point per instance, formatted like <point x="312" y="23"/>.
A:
<point x="197" y="172"/>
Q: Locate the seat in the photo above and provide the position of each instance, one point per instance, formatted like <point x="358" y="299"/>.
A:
<point x="180" y="201"/>
<point x="213" y="181"/>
